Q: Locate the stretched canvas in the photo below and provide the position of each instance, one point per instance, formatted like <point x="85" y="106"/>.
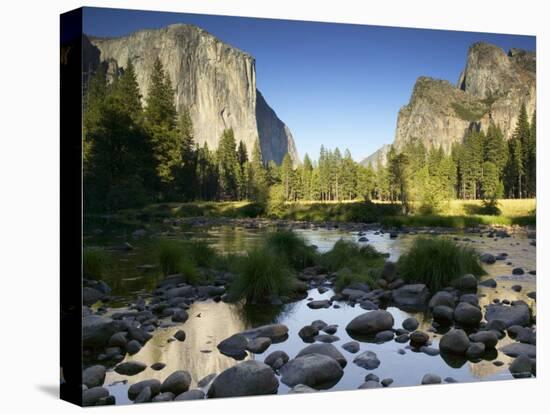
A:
<point x="259" y="206"/>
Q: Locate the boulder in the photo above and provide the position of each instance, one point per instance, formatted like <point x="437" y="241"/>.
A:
<point x="328" y="339"/>
<point x="467" y="314"/>
<point x="475" y="350"/>
<point x="467" y="283"/>
<point x="516" y="349"/>
<point x="276" y="359"/>
<point x="130" y="368"/>
<point x="521" y="367"/>
<point x="133" y="347"/>
<point x="367" y="360"/>
<point x="319" y="304"/>
<point x="177" y="382"/>
<point x="163" y="397"/>
<point x="92" y="396"/>
<point x="91" y="296"/>
<point x="418" y="339"/>
<point x="353" y="295"/>
<point x="487" y="338"/>
<point x="370" y="384"/>
<point x="276" y="332"/>
<point x="118" y="339"/>
<point x="245" y="378"/>
<point x="314" y="370"/>
<point x="258" y="345"/>
<point x="157" y="366"/>
<point x="429" y="379"/>
<point x="135" y="389"/>
<point x="94" y="376"/>
<point x="180" y="316"/>
<point x="443" y="315"/>
<point x="454" y="342"/>
<point x="442" y="298"/>
<point x="384" y="336"/>
<point x="190" y="395"/>
<point x="487" y="258"/>
<point x="410" y="324"/>
<point x="301" y="389"/>
<point x="307" y="333"/>
<point x="235" y="346"/>
<point x="370" y="323"/>
<point x="517" y="314"/>
<point x="411" y="296"/>
<point x="324" y="349"/>
<point x="490" y="283"/>
<point x="180" y="335"/>
<point x="97" y="330"/>
<point x="145" y="395"/>
<point x="351" y="347"/>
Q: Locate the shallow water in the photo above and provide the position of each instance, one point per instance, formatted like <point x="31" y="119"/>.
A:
<point x="211" y="322"/>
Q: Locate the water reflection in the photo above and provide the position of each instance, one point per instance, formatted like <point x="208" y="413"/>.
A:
<point x="198" y="353"/>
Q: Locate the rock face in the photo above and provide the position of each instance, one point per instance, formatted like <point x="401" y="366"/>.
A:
<point x="492" y="87"/>
<point x="213" y="80"/>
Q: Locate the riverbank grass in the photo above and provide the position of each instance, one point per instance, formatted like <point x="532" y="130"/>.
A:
<point x="353" y="263"/>
<point x="438" y="262"/>
<point x="261" y="274"/>
<point x="184" y="257"/>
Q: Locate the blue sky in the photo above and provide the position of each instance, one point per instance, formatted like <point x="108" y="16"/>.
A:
<point x="332" y="84"/>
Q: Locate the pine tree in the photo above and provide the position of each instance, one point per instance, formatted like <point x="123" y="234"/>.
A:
<point x="242" y="154"/>
<point x="160" y="117"/>
<point x="287" y="176"/>
<point x="228" y="166"/>
<point x="259" y="188"/>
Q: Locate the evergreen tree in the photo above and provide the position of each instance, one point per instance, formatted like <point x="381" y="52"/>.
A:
<point x="160" y="116"/>
<point x="228" y="166"/>
<point x="287" y="176"/>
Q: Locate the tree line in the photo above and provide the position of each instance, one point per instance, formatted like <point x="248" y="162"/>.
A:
<point x="135" y="153"/>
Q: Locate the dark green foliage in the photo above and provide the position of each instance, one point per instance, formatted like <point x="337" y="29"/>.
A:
<point x="94" y="263"/>
<point x="291" y="247"/>
<point x="353" y="263"/>
<point x="346" y="277"/>
<point x="184" y="257"/>
<point x="135" y="156"/>
<point x="261" y="274"/>
<point x="437" y="262"/>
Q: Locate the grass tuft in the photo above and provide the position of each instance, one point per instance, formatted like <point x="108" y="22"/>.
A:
<point x="292" y="247"/>
<point x="260" y="274"/>
<point x="353" y="263"/>
<point x="437" y="262"/>
<point x="184" y="257"/>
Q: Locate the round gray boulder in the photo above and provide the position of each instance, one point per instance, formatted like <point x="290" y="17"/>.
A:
<point x="245" y="378"/>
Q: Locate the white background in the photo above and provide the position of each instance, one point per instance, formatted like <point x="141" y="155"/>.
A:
<point x="29" y="206"/>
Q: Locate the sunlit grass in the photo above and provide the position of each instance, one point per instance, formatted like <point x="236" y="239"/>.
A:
<point x="437" y="262"/>
<point x="261" y="273"/>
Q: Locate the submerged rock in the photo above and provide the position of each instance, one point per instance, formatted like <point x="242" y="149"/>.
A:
<point x="367" y="360"/>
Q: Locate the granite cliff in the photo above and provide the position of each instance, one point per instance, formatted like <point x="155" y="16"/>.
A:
<point x="492" y="87"/>
<point x="213" y="80"/>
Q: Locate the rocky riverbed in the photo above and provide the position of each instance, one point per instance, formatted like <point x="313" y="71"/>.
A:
<point x="163" y="340"/>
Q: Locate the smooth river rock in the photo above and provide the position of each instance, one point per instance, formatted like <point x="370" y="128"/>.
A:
<point x="245" y="378"/>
